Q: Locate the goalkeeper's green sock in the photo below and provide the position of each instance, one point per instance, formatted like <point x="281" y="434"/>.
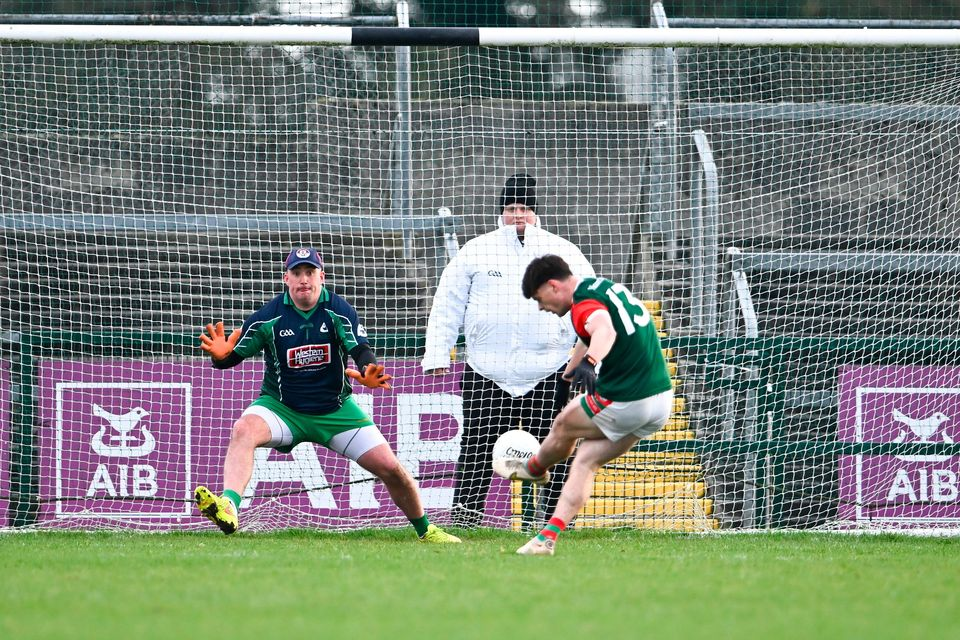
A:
<point x="233" y="497"/>
<point x="552" y="530"/>
<point x="421" y="524"/>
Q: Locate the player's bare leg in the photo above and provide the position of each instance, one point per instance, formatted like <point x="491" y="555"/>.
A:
<point x="248" y="433"/>
<point x="594" y="452"/>
<point x="591" y="455"/>
<point x="381" y="462"/>
<point x="568" y="427"/>
<point x="403" y="490"/>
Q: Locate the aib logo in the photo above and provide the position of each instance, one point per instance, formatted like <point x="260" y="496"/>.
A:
<point x="124" y="440"/>
<point x="931" y="481"/>
<point x="922" y="430"/>
<point x="121" y="435"/>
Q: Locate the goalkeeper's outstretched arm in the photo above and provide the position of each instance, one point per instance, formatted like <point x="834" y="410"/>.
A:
<point x="220" y="347"/>
<point x="368" y="372"/>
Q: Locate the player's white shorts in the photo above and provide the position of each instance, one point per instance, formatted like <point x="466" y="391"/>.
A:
<point x="639" y="418"/>
<point x="351" y="443"/>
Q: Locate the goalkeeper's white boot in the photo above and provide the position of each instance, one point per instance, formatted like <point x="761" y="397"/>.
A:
<point x="516" y="469"/>
<point x="219" y="510"/>
<point x="537" y="547"/>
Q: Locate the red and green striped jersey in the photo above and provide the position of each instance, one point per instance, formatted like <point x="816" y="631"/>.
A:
<point x="635" y="368"/>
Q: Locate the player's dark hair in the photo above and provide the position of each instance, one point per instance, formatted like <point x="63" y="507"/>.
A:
<point x="548" y="267"/>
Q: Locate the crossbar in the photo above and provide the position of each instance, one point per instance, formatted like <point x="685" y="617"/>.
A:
<point x="486" y="36"/>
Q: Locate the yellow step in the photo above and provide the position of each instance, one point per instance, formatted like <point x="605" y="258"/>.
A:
<point x="677" y="423"/>
<point x="622" y="467"/>
<point x="679" y="405"/>
<point x="516" y="502"/>
<point x="677" y="434"/>
<point x="682" y="473"/>
<point x="657" y="457"/>
<point x="669" y="461"/>
<point x="653" y="524"/>
<point x="631" y="462"/>
<point x="653" y="306"/>
<point x="672" y="369"/>
<point x="648" y="489"/>
<point x="640" y="508"/>
<point x="625" y="492"/>
<point x="628" y="465"/>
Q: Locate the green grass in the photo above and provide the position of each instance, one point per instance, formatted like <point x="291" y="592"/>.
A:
<point x="383" y="584"/>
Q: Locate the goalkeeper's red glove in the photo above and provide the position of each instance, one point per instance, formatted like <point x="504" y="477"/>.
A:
<point x="217" y="344"/>
<point x="372" y="376"/>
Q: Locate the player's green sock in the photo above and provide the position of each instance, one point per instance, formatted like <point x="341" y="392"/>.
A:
<point x="420" y="524"/>
<point x="234" y="497"/>
<point x="552" y="530"/>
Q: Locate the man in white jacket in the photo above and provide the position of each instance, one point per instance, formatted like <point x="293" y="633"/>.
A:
<point x="514" y="352"/>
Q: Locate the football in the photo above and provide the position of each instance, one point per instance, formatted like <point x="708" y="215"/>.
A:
<point x="515" y="444"/>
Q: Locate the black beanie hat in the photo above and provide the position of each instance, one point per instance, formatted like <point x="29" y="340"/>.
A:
<point x="521" y="188"/>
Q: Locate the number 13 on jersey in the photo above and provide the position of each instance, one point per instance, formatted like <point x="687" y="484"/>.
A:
<point x="633" y="313"/>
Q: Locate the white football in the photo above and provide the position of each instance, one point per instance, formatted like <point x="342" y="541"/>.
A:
<point x="515" y="444"/>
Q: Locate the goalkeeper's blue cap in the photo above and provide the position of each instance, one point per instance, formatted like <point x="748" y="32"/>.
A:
<point x="303" y="255"/>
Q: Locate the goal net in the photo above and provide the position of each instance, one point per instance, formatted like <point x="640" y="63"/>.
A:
<point x="789" y="213"/>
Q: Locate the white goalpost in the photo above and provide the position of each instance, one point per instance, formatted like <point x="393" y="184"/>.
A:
<point x="783" y="200"/>
<point x="320" y="35"/>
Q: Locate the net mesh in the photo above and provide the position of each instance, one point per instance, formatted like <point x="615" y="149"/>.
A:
<point x="805" y="299"/>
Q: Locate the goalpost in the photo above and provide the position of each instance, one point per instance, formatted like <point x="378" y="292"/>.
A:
<point x="784" y="199"/>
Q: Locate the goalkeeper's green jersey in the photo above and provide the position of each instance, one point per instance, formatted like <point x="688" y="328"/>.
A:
<point x="304" y="352"/>
<point x="635" y="368"/>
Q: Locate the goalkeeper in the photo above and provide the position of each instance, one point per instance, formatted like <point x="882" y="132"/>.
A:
<point x="305" y="335"/>
<point x="630" y="398"/>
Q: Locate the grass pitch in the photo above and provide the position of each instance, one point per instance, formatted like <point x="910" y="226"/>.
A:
<point x="384" y="584"/>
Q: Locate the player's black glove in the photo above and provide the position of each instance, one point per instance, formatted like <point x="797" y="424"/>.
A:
<point x="561" y="396"/>
<point x="585" y="375"/>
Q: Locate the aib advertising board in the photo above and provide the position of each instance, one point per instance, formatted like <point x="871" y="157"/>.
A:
<point x="899" y="404"/>
<point x="131" y="439"/>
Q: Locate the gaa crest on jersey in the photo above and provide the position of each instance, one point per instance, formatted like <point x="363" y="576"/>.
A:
<point x="308" y="355"/>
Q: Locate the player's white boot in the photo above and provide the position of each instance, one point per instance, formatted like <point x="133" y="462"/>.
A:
<point x="537" y="547"/>
<point x="516" y="469"/>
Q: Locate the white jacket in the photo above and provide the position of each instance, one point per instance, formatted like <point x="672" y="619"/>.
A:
<point x="508" y="339"/>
